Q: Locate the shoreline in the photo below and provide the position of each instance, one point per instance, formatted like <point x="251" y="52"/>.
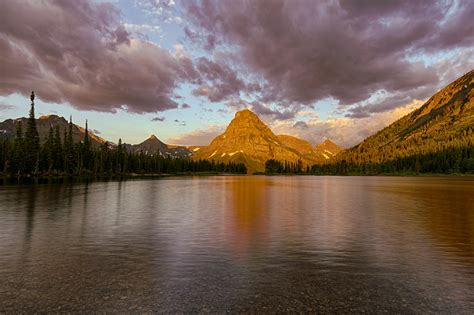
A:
<point x="64" y="179"/>
<point x="375" y="175"/>
<point x="184" y="174"/>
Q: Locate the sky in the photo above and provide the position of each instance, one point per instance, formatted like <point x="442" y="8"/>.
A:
<point x="335" y="69"/>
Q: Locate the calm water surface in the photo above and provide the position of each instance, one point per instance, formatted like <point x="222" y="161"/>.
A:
<point x="239" y="244"/>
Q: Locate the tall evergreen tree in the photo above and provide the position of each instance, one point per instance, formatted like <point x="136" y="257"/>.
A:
<point x="119" y="157"/>
<point x="69" y="148"/>
<point x="104" y="159"/>
<point x="31" y="141"/>
<point x="5" y="155"/>
<point x="58" y="150"/>
<point x="86" y="150"/>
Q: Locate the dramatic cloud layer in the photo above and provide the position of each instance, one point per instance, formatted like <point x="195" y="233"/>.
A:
<point x="223" y="79"/>
<point x="308" y="50"/>
<point x="362" y="62"/>
<point x="78" y="52"/>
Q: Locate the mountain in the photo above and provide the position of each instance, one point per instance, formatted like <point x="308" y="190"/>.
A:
<point x="327" y="149"/>
<point x="445" y="121"/>
<point x="8" y="128"/>
<point x="300" y="145"/>
<point x="248" y="140"/>
<point x="154" y="145"/>
<point x="150" y="145"/>
<point x="321" y="152"/>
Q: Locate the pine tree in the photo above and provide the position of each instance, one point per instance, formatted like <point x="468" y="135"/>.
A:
<point x="104" y="161"/>
<point x="86" y="150"/>
<point x="69" y="148"/>
<point x="48" y="152"/>
<point x="119" y="157"/>
<point x="31" y="141"/>
<point x="18" y="151"/>
<point x="58" y="151"/>
<point x="6" y="155"/>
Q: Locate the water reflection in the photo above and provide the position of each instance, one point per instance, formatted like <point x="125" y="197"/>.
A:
<point x="247" y="218"/>
<point x="246" y="244"/>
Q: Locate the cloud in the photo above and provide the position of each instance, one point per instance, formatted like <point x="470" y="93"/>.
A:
<point x="261" y="109"/>
<point x="304" y="51"/>
<point x="5" y="107"/>
<point x="281" y="56"/>
<point x="95" y="131"/>
<point x="300" y="124"/>
<point x="159" y="10"/>
<point x="344" y="131"/>
<point x="141" y="28"/>
<point x="449" y="69"/>
<point x="265" y="111"/>
<point x="180" y="122"/>
<point x="98" y="66"/>
<point x="220" y="81"/>
<point x="158" y="118"/>
<point x="387" y="103"/>
<point x="208" y="41"/>
<point x="198" y="137"/>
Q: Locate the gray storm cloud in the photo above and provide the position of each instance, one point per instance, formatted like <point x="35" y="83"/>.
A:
<point x="78" y="52"/>
<point x="309" y="50"/>
<point x="281" y="55"/>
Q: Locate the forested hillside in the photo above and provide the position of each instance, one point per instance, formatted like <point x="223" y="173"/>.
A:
<point x="444" y="122"/>
<point x="438" y="137"/>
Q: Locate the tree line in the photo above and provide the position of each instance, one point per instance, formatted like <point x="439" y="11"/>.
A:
<point x="273" y="166"/>
<point x="25" y="156"/>
<point x="448" y="161"/>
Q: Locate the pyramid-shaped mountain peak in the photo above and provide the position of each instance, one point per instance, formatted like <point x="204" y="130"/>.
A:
<point x="248" y="140"/>
<point x="247" y="123"/>
<point x="153" y="140"/>
<point x="245" y="113"/>
<point x="328" y="142"/>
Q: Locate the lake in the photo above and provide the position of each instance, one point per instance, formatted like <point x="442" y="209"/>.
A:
<point x="239" y="244"/>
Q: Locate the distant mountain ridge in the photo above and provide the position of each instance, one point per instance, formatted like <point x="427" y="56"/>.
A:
<point x="248" y="140"/>
<point x="154" y="145"/>
<point x="151" y="145"/>
<point x="445" y="121"/>
<point x="43" y="123"/>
